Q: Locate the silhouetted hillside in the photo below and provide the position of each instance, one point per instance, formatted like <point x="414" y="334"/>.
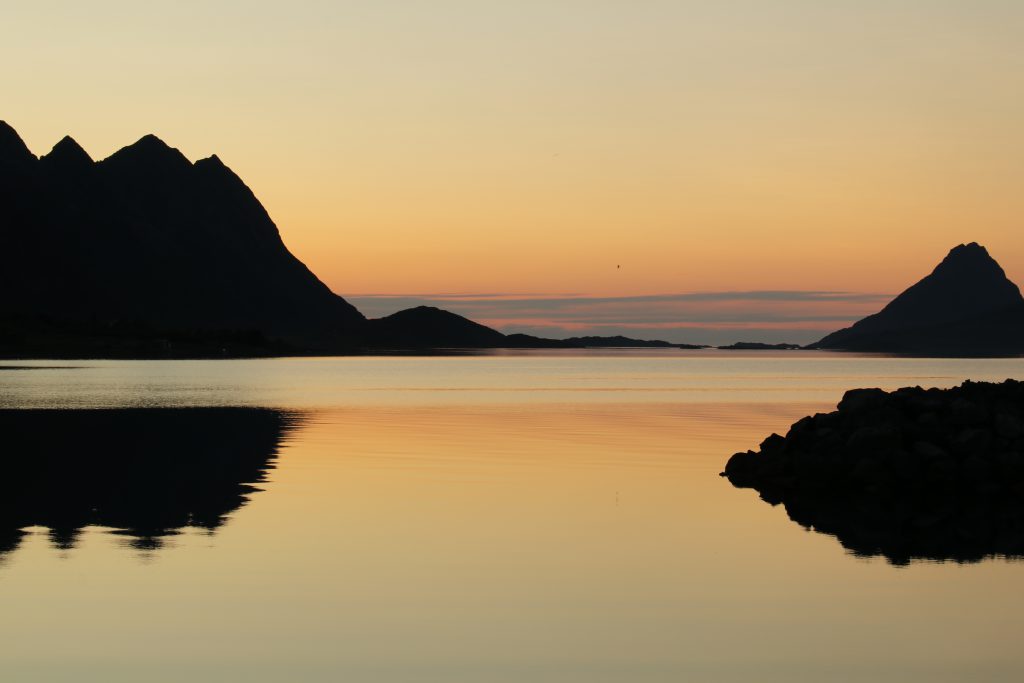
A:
<point x="23" y="336"/>
<point x="965" y="306"/>
<point x="147" y="237"/>
<point x="427" y="327"/>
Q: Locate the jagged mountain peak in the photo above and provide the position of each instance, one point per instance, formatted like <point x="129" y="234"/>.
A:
<point x="967" y="249"/>
<point x="149" y="150"/>
<point x="214" y="165"/>
<point x="212" y="160"/>
<point x="968" y="256"/>
<point x="67" y="154"/>
<point x="149" y="140"/>
<point x="967" y="277"/>
<point x="13" y="150"/>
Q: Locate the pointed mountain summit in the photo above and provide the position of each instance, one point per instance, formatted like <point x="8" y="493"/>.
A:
<point x="966" y="306"/>
<point x="149" y="155"/>
<point x="13" y="151"/>
<point x="67" y="156"/>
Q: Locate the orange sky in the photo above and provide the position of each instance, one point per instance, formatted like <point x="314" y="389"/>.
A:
<point x="490" y="147"/>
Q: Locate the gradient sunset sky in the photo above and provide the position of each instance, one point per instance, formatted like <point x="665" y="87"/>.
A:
<point x="759" y="170"/>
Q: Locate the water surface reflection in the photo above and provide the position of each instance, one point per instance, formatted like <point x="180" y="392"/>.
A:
<point x="147" y="473"/>
<point x="473" y="530"/>
<point x="935" y="528"/>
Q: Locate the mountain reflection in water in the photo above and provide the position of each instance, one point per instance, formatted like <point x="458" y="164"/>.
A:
<point x="145" y="472"/>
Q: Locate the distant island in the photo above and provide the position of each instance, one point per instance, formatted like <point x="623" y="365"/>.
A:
<point x="621" y="342"/>
<point x="146" y="254"/>
<point x="759" y="346"/>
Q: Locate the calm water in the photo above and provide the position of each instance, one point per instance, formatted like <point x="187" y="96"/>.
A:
<point x="520" y="517"/>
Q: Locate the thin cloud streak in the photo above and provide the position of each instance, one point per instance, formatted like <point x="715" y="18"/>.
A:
<point x="561" y="298"/>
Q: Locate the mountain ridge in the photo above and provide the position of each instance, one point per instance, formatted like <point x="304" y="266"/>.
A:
<point x="147" y="252"/>
<point x="147" y="242"/>
<point x="145" y="235"/>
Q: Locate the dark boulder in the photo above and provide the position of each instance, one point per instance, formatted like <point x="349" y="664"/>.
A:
<point x="910" y="474"/>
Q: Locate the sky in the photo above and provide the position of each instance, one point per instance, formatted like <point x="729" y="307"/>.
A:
<point x="700" y="170"/>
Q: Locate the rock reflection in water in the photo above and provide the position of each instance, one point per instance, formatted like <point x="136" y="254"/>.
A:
<point x="146" y="473"/>
<point x="960" y="528"/>
<point x="934" y="474"/>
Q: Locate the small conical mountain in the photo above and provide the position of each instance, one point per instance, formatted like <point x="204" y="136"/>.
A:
<point x="425" y="327"/>
<point x="966" y="306"/>
<point x="147" y="237"/>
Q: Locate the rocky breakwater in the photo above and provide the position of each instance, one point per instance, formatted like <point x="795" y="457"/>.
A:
<point x="910" y="474"/>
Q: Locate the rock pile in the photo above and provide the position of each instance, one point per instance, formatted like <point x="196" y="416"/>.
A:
<point x="913" y="473"/>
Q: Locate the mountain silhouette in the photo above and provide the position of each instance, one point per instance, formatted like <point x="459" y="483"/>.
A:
<point x="616" y="341"/>
<point x="145" y="236"/>
<point x="146" y="472"/>
<point x="966" y="306"/>
<point x="430" y="327"/>
<point x="147" y="254"/>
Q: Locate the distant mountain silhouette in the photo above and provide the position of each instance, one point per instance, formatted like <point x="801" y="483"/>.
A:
<point x="146" y="472"/>
<point x="620" y="342"/>
<point x="616" y="341"/>
<point x="966" y="306"/>
<point x="759" y="346"/>
<point x="429" y="327"/>
<point x="519" y="340"/>
<point x="148" y="238"/>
